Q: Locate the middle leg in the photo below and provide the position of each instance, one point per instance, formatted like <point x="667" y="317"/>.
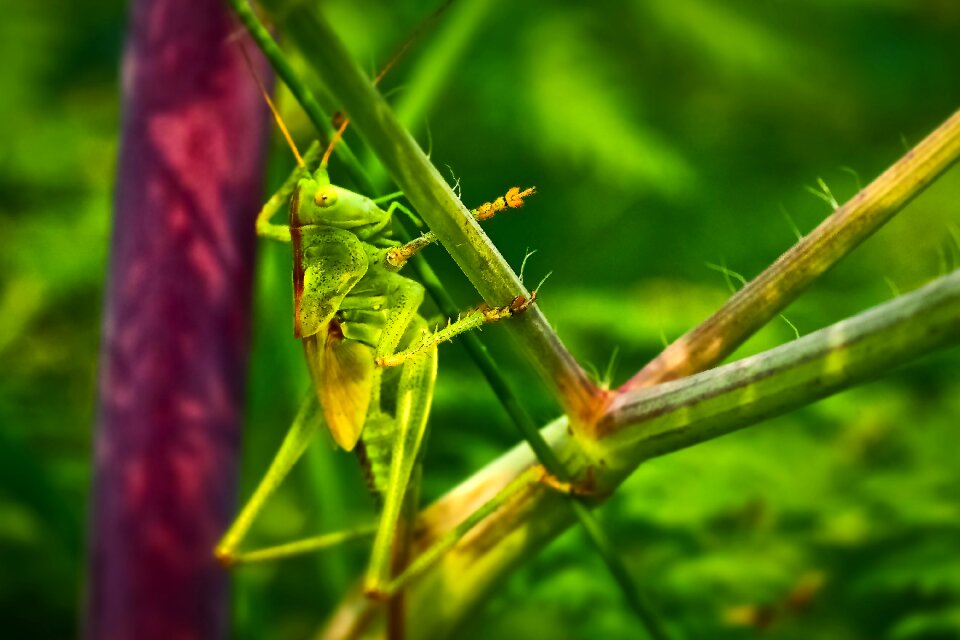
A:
<point x="472" y="319"/>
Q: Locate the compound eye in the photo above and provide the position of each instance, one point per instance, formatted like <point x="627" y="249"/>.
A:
<point x="325" y="197"/>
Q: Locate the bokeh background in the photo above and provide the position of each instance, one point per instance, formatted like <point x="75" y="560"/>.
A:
<point x="666" y="140"/>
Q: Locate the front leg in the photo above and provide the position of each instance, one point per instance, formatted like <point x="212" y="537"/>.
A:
<point x="267" y="229"/>
<point x="281" y="232"/>
<point x="513" y="199"/>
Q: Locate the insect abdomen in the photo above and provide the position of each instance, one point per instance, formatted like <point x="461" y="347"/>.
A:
<point x="374" y="452"/>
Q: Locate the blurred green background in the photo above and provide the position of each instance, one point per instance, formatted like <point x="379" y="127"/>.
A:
<point x="663" y="138"/>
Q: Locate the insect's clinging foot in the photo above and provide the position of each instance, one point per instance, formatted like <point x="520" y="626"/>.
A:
<point x="388" y="361"/>
<point x="224" y="557"/>
<point x="585" y="488"/>
<point x="398" y="256"/>
<point x="513" y="199"/>
<point x="517" y="305"/>
<point x="375" y="593"/>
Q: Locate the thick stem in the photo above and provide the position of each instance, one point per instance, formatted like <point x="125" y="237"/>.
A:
<point x="175" y="335"/>
<point x="767" y="294"/>
<point x="652" y="422"/>
<point x="646" y="423"/>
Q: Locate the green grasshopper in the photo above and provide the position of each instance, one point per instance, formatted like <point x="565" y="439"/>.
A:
<point x="371" y="358"/>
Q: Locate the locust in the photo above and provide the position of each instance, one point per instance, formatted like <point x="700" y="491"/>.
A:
<point x="371" y="356"/>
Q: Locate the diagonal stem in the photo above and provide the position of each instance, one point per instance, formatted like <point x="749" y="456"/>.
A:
<point x="767" y="294"/>
<point x="647" y="423"/>
<point x="545" y="455"/>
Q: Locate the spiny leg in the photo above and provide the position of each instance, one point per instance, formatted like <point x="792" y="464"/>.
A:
<point x="308" y="422"/>
<point x="281" y="198"/>
<point x="414" y="395"/>
<point x="470" y="320"/>
<point x="300" y="547"/>
<point x="405" y="297"/>
<point x="305" y="426"/>
<point x="513" y="199"/>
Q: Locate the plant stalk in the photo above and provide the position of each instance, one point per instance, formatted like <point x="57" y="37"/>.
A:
<point x="766" y="295"/>
<point x="652" y="422"/>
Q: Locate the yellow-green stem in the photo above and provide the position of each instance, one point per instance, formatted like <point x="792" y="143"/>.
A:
<point x="766" y="295"/>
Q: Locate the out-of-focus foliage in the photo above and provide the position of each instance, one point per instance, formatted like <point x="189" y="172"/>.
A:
<point x="58" y="128"/>
<point x="661" y="137"/>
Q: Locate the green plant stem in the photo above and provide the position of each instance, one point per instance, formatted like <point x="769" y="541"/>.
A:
<point x="646" y="423"/>
<point x="425" y="272"/>
<point x="432" y="197"/>
<point x="545" y="454"/>
<point x="610" y="556"/>
<point x="766" y="295"/>
<point x="427" y="276"/>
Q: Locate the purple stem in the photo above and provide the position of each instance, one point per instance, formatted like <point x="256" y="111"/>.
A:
<point x="176" y="325"/>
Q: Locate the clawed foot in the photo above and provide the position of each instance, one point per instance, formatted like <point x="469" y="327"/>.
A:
<point x="518" y="305"/>
<point x="584" y="488"/>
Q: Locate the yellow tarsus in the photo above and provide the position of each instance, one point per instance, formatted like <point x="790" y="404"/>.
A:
<point x="273" y="108"/>
<point x="224" y="556"/>
<point x="518" y="305"/>
<point x="585" y="488"/>
<point x="512" y="200"/>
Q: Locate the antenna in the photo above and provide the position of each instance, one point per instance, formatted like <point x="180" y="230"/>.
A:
<point x="273" y="109"/>
<point x="420" y="29"/>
